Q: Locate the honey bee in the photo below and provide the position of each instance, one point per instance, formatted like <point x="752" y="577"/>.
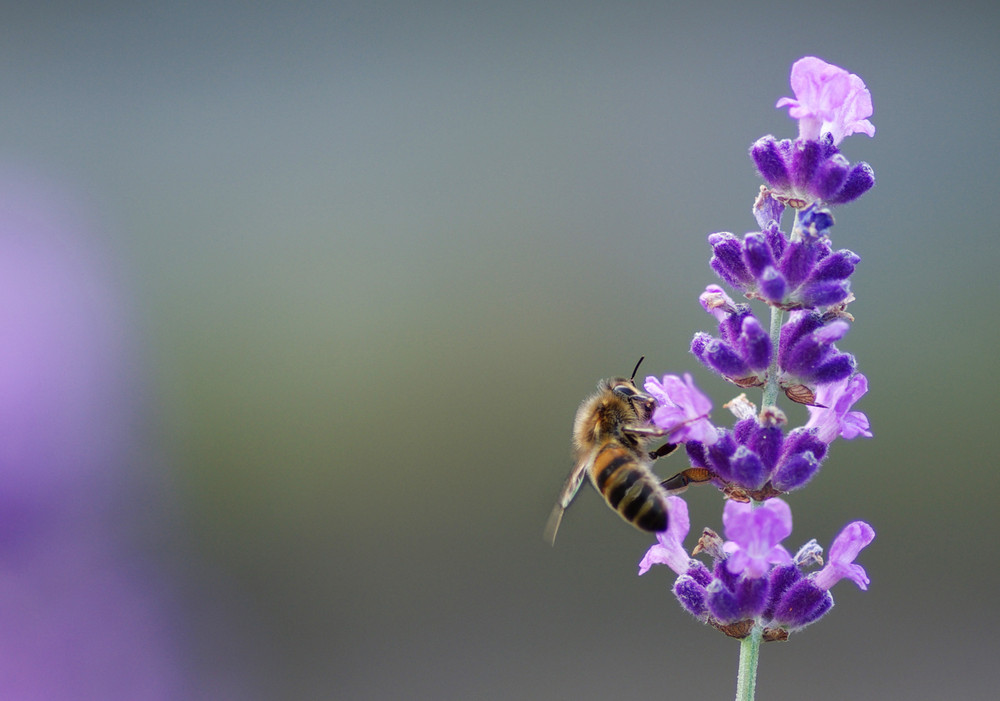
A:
<point x="610" y="437"/>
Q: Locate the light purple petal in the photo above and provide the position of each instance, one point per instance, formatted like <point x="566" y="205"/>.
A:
<point x="845" y="548"/>
<point x="834" y="417"/>
<point x="669" y="549"/>
<point x="682" y="409"/>
<point x="828" y="99"/>
<point x="855" y="424"/>
<point x="755" y="536"/>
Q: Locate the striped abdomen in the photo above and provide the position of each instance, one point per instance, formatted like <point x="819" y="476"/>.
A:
<point x="629" y="487"/>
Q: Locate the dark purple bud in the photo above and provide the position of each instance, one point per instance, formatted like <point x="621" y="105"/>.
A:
<point x="772" y="285"/>
<point x="837" y="368"/>
<point x="808" y="356"/>
<point x="747" y="469"/>
<point x="723" y="604"/>
<point x="697" y="455"/>
<point x="698" y="344"/>
<point x="860" y="180"/>
<point x="836" y="266"/>
<point x="691" y="595"/>
<point x="797" y="262"/>
<point x="766" y="441"/>
<point x="754" y="344"/>
<point x="727" y="259"/>
<point x="743" y="429"/>
<point x="824" y="293"/>
<point x="781" y="579"/>
<point x="775" y="239"/>
<point x="757" y="253"/>
<point x="769" y="156"/>
<point x="722" y="358"/>
<point x="700" y="573"/>
<point x="719" y="454"/>
<point x="802" y="604"/>
<point x="830" y="177"/>
<point x="795" y="471"/>
<point x="732" y="326"/>
<point x="752" y="595"/>
<point x="800" y="324"/>
<point x="805" y="356"/>
<point x="803" y="440"/>
<point x="806" y="158"/>
<point x="722" y="574"/>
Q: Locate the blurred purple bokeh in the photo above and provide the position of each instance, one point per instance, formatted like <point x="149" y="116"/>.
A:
<point x="83" y="612"/>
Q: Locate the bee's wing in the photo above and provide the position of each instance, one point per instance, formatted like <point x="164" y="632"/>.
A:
<point x="569" y="490"/>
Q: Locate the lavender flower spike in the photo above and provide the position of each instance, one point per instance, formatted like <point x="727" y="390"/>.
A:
<point x="755" y="535"/>
<point x="846" y="546"/>
<point x="828" y="99"/>
<point x="670" y="548"/>
<point x="683" y="409"/>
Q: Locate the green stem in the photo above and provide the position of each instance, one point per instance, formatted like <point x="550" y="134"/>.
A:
<point x="746" y="682"/>
<point x="771" y="388"/>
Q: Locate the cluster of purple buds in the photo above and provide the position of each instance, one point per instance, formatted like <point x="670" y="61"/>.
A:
<point x="753" y="577"/>
<point x="756" y="458"/>
<point x="801" y="271"/>
<point x="743" y="351"/>
<point x="803" y="171"/>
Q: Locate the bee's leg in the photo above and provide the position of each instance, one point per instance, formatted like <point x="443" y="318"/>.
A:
<point x="665" y="449"/>
<point x="679" y="482"/>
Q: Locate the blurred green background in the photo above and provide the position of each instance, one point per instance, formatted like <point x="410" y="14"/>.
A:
<point x="376" y="253"/>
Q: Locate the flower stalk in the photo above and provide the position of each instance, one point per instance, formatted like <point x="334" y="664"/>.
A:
<point x="770" y="396"/>
<point x="746" y="679"/>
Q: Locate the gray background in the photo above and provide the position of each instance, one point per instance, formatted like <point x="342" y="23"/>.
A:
<point x="378" y="252"/>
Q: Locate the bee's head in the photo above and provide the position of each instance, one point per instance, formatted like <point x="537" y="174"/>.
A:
<point x="640" y="402"/>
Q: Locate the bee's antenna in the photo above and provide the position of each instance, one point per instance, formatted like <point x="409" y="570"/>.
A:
<point x="637" y="368"/>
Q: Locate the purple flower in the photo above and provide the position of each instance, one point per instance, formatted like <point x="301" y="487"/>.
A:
<point x="798" y="601"/>
<point x="846" y="546"/>
<point x="682" y="409"/>
<point x="834" y="418"/>
<point x="828" y="99"/>
<point x="669" y="550"/>
<point x="754" y="536"/>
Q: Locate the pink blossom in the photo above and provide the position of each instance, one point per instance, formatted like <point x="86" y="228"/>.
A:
<point x="755" y="535"/>
<point x="669" y="550"/>
<point x="846" y="546"/>
<point x="828" y="99"/>
<point x="682" y="409"/>
<point x="834" y="416"/>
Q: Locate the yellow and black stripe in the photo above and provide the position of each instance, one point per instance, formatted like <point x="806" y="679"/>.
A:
<point x="629" y="488"/>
